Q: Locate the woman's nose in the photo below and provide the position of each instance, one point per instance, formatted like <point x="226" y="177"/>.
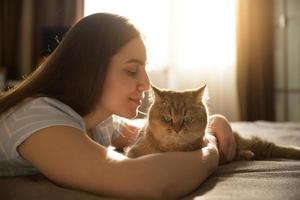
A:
<point x="144" y="83"/>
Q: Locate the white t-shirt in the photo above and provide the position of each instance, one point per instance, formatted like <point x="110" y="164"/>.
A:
<point x="33" y="114"/>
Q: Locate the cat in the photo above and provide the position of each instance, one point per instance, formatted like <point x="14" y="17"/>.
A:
<point x="177" y="122"/>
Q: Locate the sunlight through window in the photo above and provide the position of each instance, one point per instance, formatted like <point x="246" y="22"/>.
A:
<point x="207" y="33"/>
<point x="179" y="33"/>
<point x="150" y="18"/>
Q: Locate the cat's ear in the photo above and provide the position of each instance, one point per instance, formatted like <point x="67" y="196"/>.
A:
<point x="199" y="93"/>
<point x="157" y="92"/>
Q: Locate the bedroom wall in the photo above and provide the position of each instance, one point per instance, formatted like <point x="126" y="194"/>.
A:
<point x="287" y="62"/>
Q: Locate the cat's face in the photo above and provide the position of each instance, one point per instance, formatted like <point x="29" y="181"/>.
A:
<point x="179" y="117"/>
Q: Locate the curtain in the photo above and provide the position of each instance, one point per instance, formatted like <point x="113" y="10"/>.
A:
<point x="10" y="17"/>
<point x="203" y="52"/>
<point x="53" y="15"/>
<point x="255" y="68"/>
<point x="21" y="27"/>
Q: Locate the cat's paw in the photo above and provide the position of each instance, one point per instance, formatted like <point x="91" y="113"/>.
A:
<point x="130" y="152"/>
<point x="244" y="155"/>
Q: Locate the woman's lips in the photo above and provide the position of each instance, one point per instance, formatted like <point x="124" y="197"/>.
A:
<point x="136" y="101"/>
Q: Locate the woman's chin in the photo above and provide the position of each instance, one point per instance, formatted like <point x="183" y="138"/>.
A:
<point x="129" y="115"/>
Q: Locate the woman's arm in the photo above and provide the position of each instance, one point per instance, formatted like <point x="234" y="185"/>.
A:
<point x="220" y="127"/>
<point x="70" y="158"/>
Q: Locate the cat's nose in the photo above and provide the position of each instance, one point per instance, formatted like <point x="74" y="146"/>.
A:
<point x="177" y="128"/>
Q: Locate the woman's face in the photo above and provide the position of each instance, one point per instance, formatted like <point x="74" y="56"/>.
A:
<point x="126" y="80"/>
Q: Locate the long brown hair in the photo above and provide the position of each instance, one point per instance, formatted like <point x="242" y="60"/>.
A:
<point x="74" y="73"/>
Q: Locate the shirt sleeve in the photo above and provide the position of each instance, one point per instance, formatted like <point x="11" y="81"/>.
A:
<point x="32" y="116"/>
<point x="107" y="131"/>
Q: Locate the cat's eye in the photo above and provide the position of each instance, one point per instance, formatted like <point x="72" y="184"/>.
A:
<point x="167" y="119"/>
<point x="187" y="119"/>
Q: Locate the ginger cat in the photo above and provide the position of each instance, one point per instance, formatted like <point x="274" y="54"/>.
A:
<point x="177" y="122"/>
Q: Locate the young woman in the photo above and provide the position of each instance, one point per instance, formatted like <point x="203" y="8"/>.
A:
<point x="54" y="119"/>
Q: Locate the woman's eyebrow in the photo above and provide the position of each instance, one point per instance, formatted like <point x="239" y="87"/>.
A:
<point x="137" y="61"/>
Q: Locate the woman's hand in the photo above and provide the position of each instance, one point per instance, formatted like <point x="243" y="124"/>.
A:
<point x="210" y="140"/>
<point x="219" y="126"/>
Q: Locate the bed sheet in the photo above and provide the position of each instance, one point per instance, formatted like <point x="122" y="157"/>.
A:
<point x="268" y="179"/>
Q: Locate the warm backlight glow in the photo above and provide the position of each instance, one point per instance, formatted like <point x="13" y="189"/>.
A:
<point x="179" y="33"/>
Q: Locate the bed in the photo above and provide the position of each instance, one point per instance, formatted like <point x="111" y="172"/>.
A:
<point x="268" y="179"/>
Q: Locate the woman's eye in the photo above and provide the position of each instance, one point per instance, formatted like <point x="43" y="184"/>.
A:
<point x="132" y="73"/>
<point x="167" y="119"/>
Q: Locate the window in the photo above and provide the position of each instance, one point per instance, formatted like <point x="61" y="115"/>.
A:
<point x="190" y="33"/>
